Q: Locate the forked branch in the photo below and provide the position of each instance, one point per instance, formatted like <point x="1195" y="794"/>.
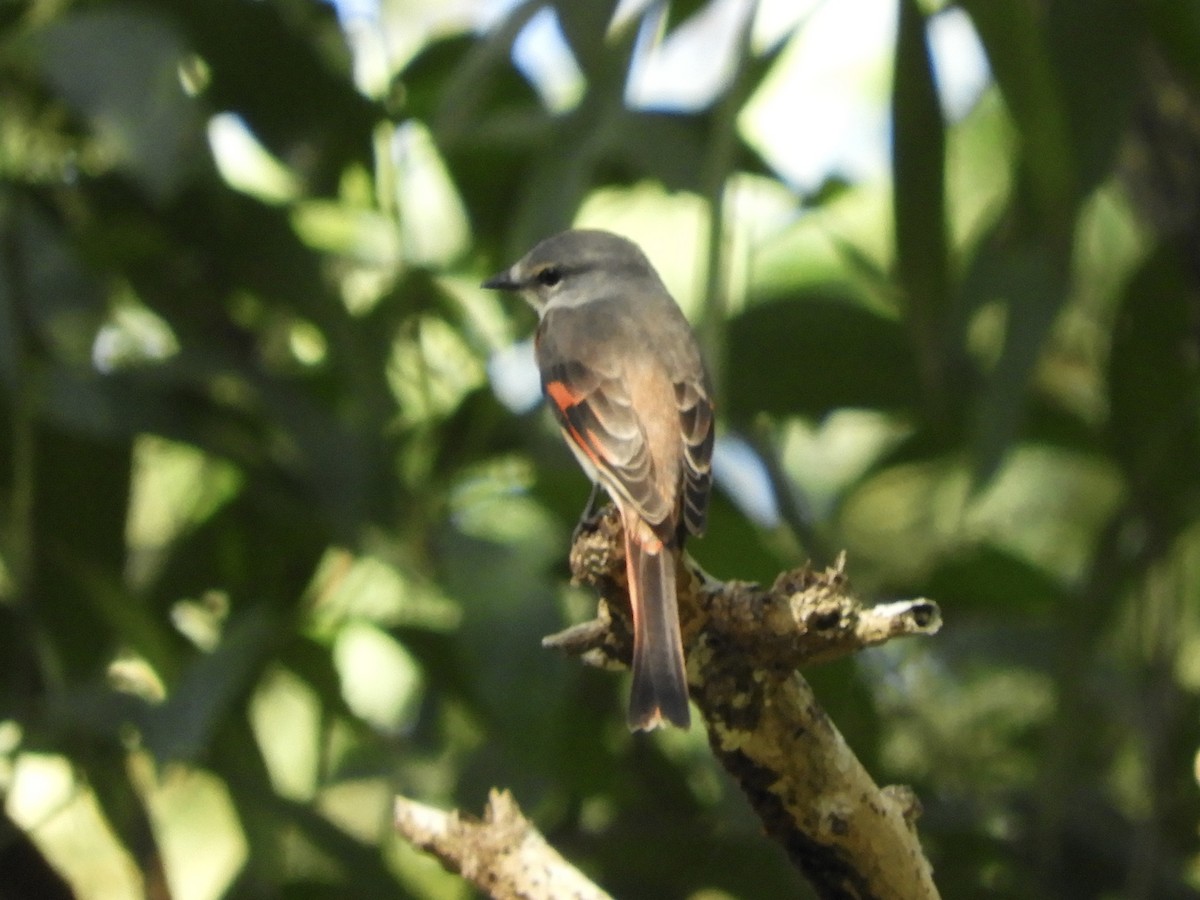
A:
<point x="745" y="645"/>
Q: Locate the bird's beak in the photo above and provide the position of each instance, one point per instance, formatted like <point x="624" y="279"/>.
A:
<point x="502" y="281"/>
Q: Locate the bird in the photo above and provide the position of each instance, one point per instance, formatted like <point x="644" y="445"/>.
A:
<point x="624" y="376"/>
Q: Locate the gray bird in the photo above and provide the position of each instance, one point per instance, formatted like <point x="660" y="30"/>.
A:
<point x="625" y="379"/>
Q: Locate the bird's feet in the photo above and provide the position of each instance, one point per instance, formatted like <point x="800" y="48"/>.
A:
<point x="590" y="516"/>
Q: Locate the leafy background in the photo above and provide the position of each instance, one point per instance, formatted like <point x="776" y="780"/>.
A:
<point x="272" y="549"/>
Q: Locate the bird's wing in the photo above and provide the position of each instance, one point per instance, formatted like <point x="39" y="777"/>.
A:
<point x="696" y="428"/>
<point x="597" y="414"/>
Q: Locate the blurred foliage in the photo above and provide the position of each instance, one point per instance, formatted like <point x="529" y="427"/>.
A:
<point x="272" y="550"/>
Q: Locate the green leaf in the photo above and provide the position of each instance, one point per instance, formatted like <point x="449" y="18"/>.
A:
<point x="509" y="604"/>
<point x="671" y="147"/>
<point x="555" y="184"/>
<point x="1095" y="50"/>
<point x="1017" y="52"/>
<point x="679" y="12"/>
<point x="456" y="82"/>
<point x="104" y="769"/>
<point x="1068" y="73"/>
<point x="574" y="147"/>
<point x="1154" y="392"/>
<point x="119" y="69"/>
<point x="291" y="843"/>
<point x="11" y="338"/>
<point x="988" y="579"/>
<point x="585" y="26"/>
<point x="285" y="69"/>
<point x="1046" y="422"/>
<point x="919" y="191"/>
<point x="56" y="297"/>
<point x="215" y="684"/>
<point x="285" y="836"/>
<point x="1176" y="30"/>
<point x="811" y="355"/>
<point x="734" y="544"/>
<point x="80" y="499"/>
<point x="487" y="122"/>
<point x="27" y="871"/>
<point x="1030" y="279"/>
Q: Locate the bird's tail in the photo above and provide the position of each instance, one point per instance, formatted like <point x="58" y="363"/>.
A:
<point x="660" y="690"/>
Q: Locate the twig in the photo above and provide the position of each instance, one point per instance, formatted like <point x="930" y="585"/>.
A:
<point x="503" y="855"/>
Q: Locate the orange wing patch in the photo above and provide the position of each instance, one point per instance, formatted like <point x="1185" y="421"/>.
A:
<point x="565" y="400"/>
<point x="562" y="396"/>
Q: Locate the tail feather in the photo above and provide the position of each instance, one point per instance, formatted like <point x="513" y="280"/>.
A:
<point x="660" y="691"/>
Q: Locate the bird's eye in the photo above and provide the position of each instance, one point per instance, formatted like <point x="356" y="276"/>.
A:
<point x="549" y="276"/>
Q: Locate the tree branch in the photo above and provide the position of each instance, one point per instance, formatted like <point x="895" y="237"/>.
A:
<point x="503" y="855"/>
<point x="850" y="838"/>
<point x="744" y="645"/>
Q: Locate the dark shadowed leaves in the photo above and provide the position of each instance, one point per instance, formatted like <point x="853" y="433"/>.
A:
<point x="1021" y="63"/>
<point x="285" y="69"/>
<point x="119" y="70"/>
<point x="812" y="355"/>
<point x="1029" y="281"/>
<point x="1093" y="44"/>
<point x="918" y="179"/>
<point x="585" y="26"/>
<point x="1154" y="392"/>
<point x="989" y="579"/>
<point x="210" y="689"/>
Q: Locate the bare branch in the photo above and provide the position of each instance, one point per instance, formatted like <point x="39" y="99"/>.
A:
<point x="744" y="643"/>
<point x="503" y="855"/>
<point x="744" y="647"/>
